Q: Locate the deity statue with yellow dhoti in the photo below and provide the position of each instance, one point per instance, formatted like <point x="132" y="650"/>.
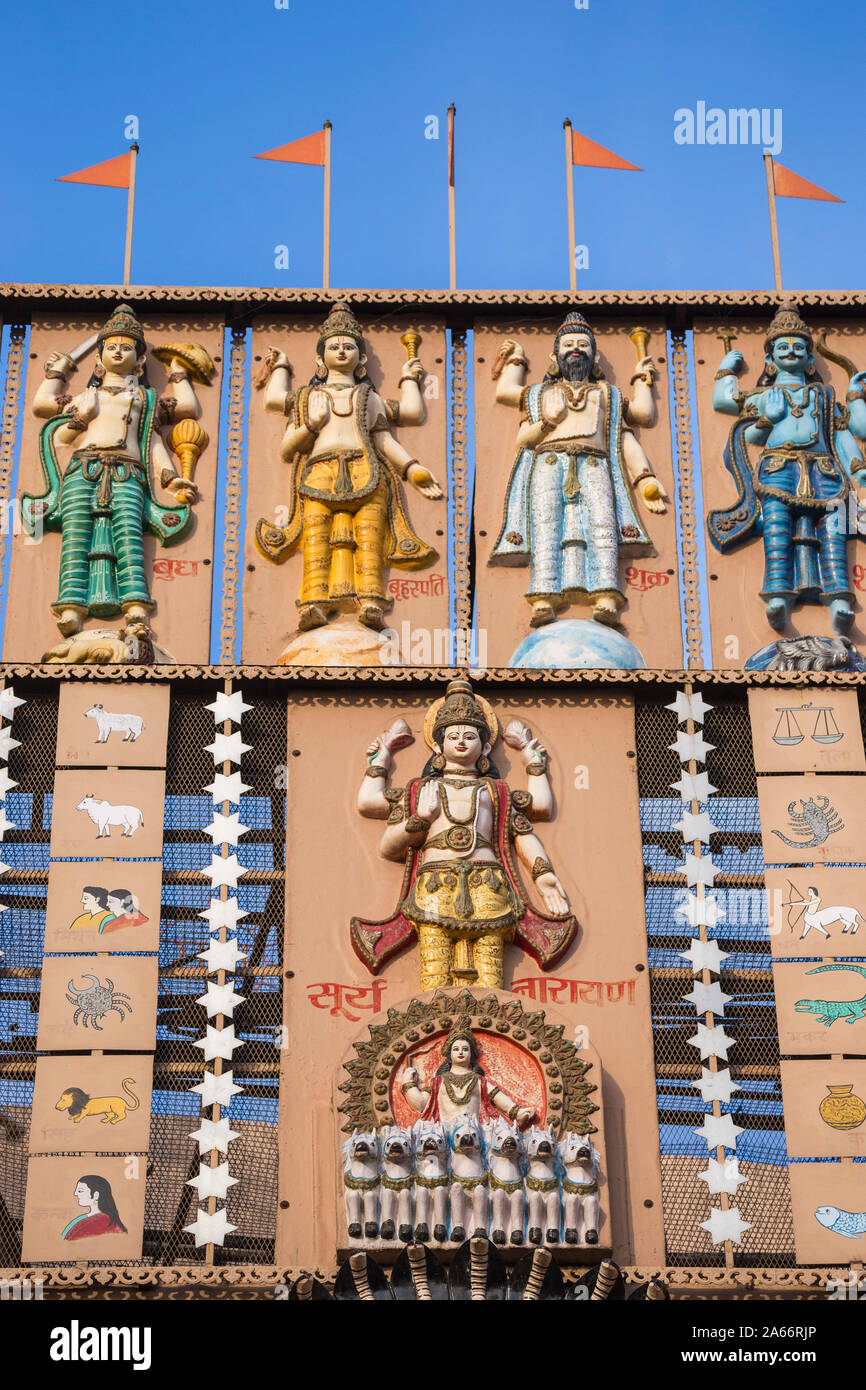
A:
<point x="461" y="832"/>
<point x="346" y="510"/>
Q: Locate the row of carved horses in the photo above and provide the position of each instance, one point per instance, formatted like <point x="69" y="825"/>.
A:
<point x="439" y="1182"/>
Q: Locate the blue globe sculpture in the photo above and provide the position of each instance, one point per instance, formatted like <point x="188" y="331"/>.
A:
<point x="577" y="645"/>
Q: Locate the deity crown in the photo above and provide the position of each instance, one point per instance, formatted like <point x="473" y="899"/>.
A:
<point x="786" y="324"/>
<point x="122" y="324"/>
<point x="461" y="1032"/>
<point x="461" y="707"/>
<point x="341" y="322"/>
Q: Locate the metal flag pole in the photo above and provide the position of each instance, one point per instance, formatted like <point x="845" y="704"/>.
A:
<point x="326" y="236"/>
<point x="569" y="196"/>
<point x="774" y="226"/>
<point x="130" y="210"/>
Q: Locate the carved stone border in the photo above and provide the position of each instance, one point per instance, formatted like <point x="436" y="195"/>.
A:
<point x="231" y="549"/>
<point x="421" y="675"/>
<point x="18" y="297"/>
<point x="138" y="1280"/>
<point x="686" y="471"/>
<point x="367" y="1104"/>
<point x="462" y="594"/>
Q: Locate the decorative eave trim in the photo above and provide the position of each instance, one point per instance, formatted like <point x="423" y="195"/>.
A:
<point x="421" y="675"/>
<point x="698" y="1279"/>
<point x="459" y="307"/>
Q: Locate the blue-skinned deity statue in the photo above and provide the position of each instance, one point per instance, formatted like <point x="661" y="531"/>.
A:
<point x="794" y="455"/>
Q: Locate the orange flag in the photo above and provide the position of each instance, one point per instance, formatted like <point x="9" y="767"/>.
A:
<point x="310" y="149"/>
<point x="790" y="185"/>
<point x="587" y="152"/>
<point x="112" y="173"/>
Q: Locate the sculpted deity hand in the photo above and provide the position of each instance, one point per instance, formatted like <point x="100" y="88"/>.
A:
<point x="104" y="501"/>
<point x="459" y="828"/>
<point x="347" y="509"/>
<point x="793" y="488"/>
<point x="569" y="508"/>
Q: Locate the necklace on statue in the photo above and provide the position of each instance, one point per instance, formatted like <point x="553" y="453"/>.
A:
<point x="460" y="835"/>
<point x="452" y="1086"/>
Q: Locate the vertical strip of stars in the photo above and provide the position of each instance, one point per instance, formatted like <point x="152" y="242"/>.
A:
<point x="703" y="913"/>
<point x="9" y="702"/>
<point x="214" y="1134"/>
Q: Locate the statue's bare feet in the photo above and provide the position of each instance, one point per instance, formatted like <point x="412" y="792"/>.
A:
<point x="841" y="615"/>
<point x="777" y="613"/>
<point x="606" y="610"/>
<point x="311" y="616"/>
<point x="371" y="615"/>
<point x="542" y="612"/>
<point x="70" y="621"/>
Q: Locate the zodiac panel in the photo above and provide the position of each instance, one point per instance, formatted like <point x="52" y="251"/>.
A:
<point x="806" y="820"/>
<point x="829" y="1212"/>
<point x="806" y="730"/>
<point x="117" y="814"/>
<point x="116" y="565"/>
<point x="815" y="911"/>
<point x="103" y="906"/>
<point x="97" y="1002"/>
<point x="575" y="531"/>
<point x="347" y="546"/>
<point x="820" y="1008"/>
<point x="88" y="1207"/>
<point x="112" y="726"/>
<point x="91" y="1104"/>
<point x="825" y="1113"/>
<point x="782" y="422"/>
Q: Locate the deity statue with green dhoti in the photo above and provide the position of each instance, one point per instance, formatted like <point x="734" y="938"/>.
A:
<point x="104" y="499"/>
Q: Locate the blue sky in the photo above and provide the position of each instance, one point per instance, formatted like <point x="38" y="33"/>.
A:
<point x="214" y="82"/>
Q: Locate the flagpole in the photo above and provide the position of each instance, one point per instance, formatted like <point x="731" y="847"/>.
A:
<point x="452" y="225"/>
<point x="326" y="236"/>
<point x="130" y="209"/>
<point x="569" y="195"/>
<point x="774" y="226"/>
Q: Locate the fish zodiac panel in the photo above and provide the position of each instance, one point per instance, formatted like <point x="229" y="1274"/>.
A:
<point x="829" y="1208"/>
<point x="821" y="1009"/>
<point x="91" y="1104"/>
<point x="112" y="726"/>
<point x="84" y="1207"/>
<point x="97" y="1002"/>
<point x="806" y="820"/>
<point x="112" y="815"/>
<point x="816" y="911"/>
<point x="806" y="730"/>
<point x="825" y="1113"/>
<point x="103" y="906"/>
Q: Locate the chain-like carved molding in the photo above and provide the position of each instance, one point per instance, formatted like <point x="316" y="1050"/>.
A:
<point x="231" y="549"/>
<point x="687" y="1281"/>
<point x="462" y="595"/>
<point x="14" y="364"/>
<point x="366" y="1104"/>
<point x="686" y="472"/>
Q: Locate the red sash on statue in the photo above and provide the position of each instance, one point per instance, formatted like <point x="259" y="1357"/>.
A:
<point x="545" y="938"/>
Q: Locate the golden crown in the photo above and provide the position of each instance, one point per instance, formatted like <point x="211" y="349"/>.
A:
<point x="460" y="707"/>
<point x="786" y="324"/>
<point x="122" y="324"/>
<point x="461" y="1032"/>
<point x="341" y="322"/>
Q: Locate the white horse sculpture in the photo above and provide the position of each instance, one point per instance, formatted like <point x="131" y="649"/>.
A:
<point x="469" y="1183"/>
<point x="542" y="1186"/>
<point x="431" y="1180"/>
<point x="579" y="1163"/>
<point x="507" y="1192"/>
<point x="361" y="1183"/>
<point x="396" y="1182"/>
